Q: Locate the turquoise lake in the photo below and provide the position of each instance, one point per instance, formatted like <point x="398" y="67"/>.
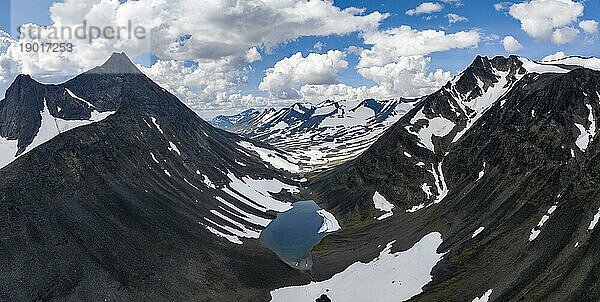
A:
<point x="294" y="233"/>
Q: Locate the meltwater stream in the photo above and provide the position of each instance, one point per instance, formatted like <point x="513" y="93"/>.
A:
<point x="294" y="233"/>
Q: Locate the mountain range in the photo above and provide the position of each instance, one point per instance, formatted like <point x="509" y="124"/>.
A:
<point x="321" y="136"/>
<point x="486" y="190"/>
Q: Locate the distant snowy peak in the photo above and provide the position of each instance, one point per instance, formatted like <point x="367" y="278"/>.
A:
<point x="562" y="65"/>
<point x="571" y="62"/>
<point x="226" y="122"/>
<point x="318" y="136"/>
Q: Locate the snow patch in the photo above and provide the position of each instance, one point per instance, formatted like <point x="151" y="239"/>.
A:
<point x="590" y="63"/>
<point x="535" y="67"/>
<point x="586" y="135"/>
<point x="173" y="148"/>
<point x="256" y="194"/>
<point x="238" y="229"/>
<point x="594" y="220"/>
<point x="156" y="124"/>
<point x="207" y="181"/>
<point x="50" y="127"/>
<point x="330" y="224"/>
<point x="482" y="172"/>
<point x="79" y="99"/>
<point x="538" y="228"/>
<point x="189" y="183"/>
<point x="248" y="217"/>
<point x="389" y="277"/>
<point x="480" y="105"/>
<point x="427" y="189"/>
<point x="477" y="231"/>
<point x="8" y="151"/>
<point x="485" y="297"/>
<point x="276" y="159"/>
<point x="329" y="134"/>
<point x="440" y="184"/>
<point x="383" y="205"/>
<point x="154" y="158"/>
<point x="437" y="126"/>
<point x="259" y="191"/>
<point x="229" y="237"/>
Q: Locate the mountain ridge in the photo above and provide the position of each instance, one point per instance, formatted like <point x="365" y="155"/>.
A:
<point x="516" y="174"/>
<point x="124" y="208"/>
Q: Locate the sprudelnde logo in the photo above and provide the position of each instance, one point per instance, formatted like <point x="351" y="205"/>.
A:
<point x="53" y="38"/>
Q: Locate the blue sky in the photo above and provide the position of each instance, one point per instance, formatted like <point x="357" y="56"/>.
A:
<point x="481" y="15"/>
<point x="492" y="25"/>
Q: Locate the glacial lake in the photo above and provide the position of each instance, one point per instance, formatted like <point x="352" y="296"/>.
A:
<point x="294" y="233"/>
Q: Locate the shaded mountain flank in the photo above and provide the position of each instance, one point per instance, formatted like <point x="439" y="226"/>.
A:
<point x="503" y="162"/>
<point x="121" y="209"/>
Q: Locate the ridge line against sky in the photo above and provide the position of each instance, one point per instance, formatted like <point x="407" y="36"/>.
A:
<point x="223" y="56"/>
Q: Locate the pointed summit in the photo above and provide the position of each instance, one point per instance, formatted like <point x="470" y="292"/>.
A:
<point x="118" y="63"/>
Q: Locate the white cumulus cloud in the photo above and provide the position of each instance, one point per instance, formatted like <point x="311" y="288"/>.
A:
<point x="425" y="8"/>
<point x="502" y="6"/>
<point x="511" y="44"/>
<point x="397" y="60"/>
<point x="407" y="77"/>
<point x="564" y="35"/>
<point x="454" y="18"/>
<point x="289" y="74"/>
<point x="548" y="19"/>
<point x="391" y="44"/>
<point x="589" y="26"/>
<point x="555" y="56"/>
<point x="220" y="36"/>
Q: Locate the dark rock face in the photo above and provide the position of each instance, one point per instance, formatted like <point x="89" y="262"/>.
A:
<point x="93" y="215"/>
<point x="323" y="298"/>
<point x="20" y="117"/>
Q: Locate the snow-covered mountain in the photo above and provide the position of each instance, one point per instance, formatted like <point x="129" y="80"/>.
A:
<point x="314" y="137"/>
<point x="227" y="122"/>
<point x="485" y="190"/>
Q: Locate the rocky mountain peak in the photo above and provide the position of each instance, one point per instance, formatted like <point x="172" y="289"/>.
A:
<point x="118" y="63"/>
<point x="21" y="82"/>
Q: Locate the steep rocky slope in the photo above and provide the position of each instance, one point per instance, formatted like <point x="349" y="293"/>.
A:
<point x="150" y="203"/>
<point x="503" y="162"/>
